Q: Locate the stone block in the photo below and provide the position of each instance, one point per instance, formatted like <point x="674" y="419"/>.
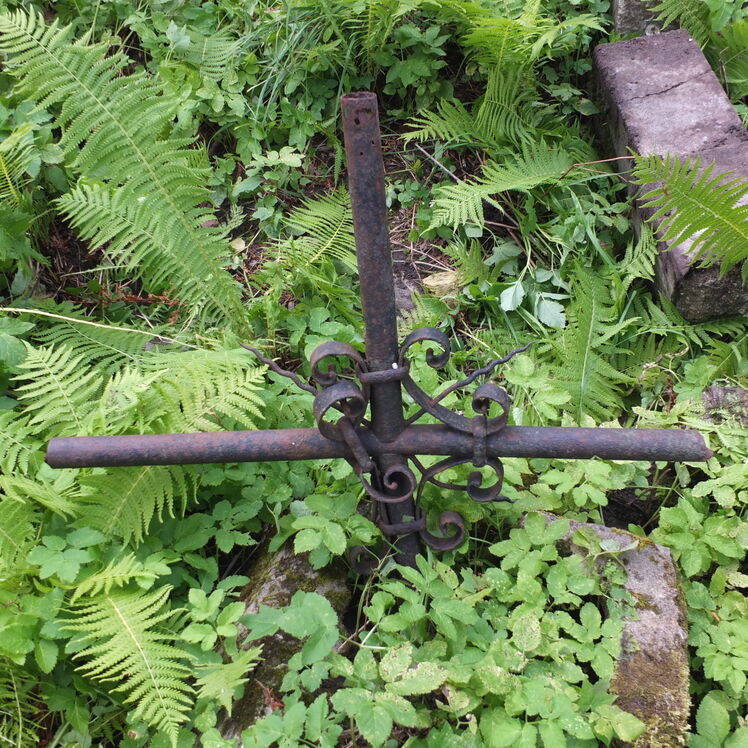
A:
<point x="726" y="404"/>
<point x="651" y="675"/>
<point x="661" y="96"/>
<point x="634" y="17"/>
<point x="274" y="579"/>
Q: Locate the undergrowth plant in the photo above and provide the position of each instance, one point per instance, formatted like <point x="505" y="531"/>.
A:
<point x="142" y="191"/>
<point x="193" y="148"/>
<point x="691" y="202"/>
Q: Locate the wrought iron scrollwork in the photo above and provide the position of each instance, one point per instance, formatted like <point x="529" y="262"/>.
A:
<point x="346" y="389"/>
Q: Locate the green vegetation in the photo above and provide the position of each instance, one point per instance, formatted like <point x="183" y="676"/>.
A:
<point x="171" y="185"/>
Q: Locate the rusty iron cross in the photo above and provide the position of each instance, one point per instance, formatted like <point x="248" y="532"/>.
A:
<point x="380" y="447"/>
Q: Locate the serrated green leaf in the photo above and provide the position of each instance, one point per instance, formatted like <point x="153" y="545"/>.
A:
<point x="712" y="721"/>
<point x="425" y="677"/>
<point x="396" y="661"/>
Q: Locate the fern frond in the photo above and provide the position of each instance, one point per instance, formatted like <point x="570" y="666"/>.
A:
<point x="128" y="230"/>
<point x="212" y="54"/>
<point x="125" y="641"/>
<point x="733" y="53"/>
<point x="59" y="390"/>
<point x="451" y="122"/>
<point x="123" y="502"/>
<point x="117" y="573"/>
<point x="325" y="228"/>
<point x="19" y="708"/>
<point x="61" y="496"/>
<point x="191" y="391"/>
<point x="503" y="109"/>
<point x="197" y="404"/>
<point x="585" y="348"/>
<point x="128" y="403"/>
<point x="729" y="357"/>
<point x="458" y="204"/>
<point x="692" y="203"/>
<point x="554" y="31"/>
<point x="16" y="155"/>
<point x="220" y="682"/>
<point x="112" y="129"/>
<point x="369" y="24"/>
<point x="200" y="386"/>
<point x="501" y="42"/>
<point x="638" y="263"/>
<point x="17" y="534"/>
<point x="108" y="347"/>
<point x="688" y="15"/>
<point x="20" y="451"/>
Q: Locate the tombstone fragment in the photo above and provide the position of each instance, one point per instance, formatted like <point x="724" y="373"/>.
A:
<point x="651" y="676"/>
<point x="662" y="97"/>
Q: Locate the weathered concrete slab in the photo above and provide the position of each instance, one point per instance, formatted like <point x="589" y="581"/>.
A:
<point x="651" y="677"/>
<point x="661" y="96"/>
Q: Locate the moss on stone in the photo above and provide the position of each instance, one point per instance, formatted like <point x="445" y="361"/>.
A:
<point x="274" y="579"/>
<point x="652" y="688"/>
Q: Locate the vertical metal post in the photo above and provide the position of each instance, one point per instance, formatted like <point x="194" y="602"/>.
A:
<point x="366" y="185"/>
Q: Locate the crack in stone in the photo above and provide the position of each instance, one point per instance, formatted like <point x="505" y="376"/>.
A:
<point x="669" y="88"/>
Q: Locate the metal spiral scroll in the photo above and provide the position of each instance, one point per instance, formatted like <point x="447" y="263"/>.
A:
<point x="480" y="427"/>
<point x="398" y="483"/>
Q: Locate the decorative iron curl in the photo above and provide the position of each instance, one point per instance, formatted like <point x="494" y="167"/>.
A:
<point x="398" y="481"/>
<point x="334" y="349"/>
<point x="446" y="541"/>
<point x="473" y="487"/>
<point x="345" y="396"/>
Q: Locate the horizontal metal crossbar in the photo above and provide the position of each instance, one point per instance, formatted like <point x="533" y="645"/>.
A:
<point x="310" y="444"/>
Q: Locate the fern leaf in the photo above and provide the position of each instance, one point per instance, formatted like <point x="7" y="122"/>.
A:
<point x="503" y="110"/>
<point x="19" y="708"/>
<point x="124" y="641"/>
<point x="124" y="501"/>
<point x="129" y="231"/>
<point x="325" y="227"/>
<point x="16" y="155"/>
<point x="692" y="203"/>
<point x="688" y="15"/>
<point x="585" y="348"/>
<point x="457" y="204"/>
<point x="61" y="496"/>
<point x="220" y="682"/>
<point x="638" y="263"/>
<point x="108" y="347"/>
<point x="501" y="42"/>
<point x="17" y="534"/>
<point x="451" y="123"/>
<point x="200" y="386"/>
<point x="733" y="52"/>
<point x="19" y="449"/>
<point x="116" y="573"/>
<point x="127" y="404"/>
<point x="212" y="54"/>
<point x="195" y="390"/>
<point x="112" y="125"/>
<point x="729" y="357"/>
<point x="59" y="391"/>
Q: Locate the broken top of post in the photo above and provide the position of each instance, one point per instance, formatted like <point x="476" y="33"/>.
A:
<point x="379" y="448"/>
